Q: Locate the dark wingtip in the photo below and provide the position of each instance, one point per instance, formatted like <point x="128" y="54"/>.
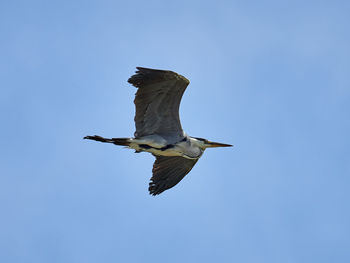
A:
<point x="153" y="193"/>
<point x="146" y="76"/>
<point x="153" y="190"/>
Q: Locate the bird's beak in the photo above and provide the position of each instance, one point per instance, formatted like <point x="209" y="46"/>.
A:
<point x="216" y="144"/>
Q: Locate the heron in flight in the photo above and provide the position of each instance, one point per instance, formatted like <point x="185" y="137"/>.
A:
<point x="158" y="128"/>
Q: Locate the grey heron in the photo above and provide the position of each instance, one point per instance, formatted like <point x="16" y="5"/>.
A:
<point x="158" y="128"/>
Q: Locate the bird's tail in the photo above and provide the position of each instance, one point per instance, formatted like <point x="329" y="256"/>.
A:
<point x="116" y="141"/>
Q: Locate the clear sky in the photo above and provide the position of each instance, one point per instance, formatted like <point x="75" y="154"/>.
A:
<point x="270" y="77"/>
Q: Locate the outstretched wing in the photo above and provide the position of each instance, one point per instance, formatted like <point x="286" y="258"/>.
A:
<point x="157" y="103"/>
<point x="168" y="171"/>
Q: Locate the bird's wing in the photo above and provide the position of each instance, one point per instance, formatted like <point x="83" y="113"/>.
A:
<point x="168" y="171"/>
<point x="157" y="103"/>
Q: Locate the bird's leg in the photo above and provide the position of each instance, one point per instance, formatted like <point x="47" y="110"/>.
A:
<point x="98" y="138"/>
<point x="116" y="141"/>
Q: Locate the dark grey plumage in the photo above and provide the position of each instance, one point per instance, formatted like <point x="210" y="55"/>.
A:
<point x="157" y="103"/>
<point x="168" y="171"/>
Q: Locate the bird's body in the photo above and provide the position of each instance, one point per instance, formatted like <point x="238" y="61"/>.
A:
<point x="158" y="128"/>
<point x="187" y="148"/>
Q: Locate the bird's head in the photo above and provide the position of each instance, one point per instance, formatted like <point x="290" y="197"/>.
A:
<point x="204" y="143"/>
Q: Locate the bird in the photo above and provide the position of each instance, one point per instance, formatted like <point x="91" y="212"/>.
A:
<point x="159" y="130"/>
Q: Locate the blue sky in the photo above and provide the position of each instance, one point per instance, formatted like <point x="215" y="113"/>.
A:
<point x="270" y="77"/>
